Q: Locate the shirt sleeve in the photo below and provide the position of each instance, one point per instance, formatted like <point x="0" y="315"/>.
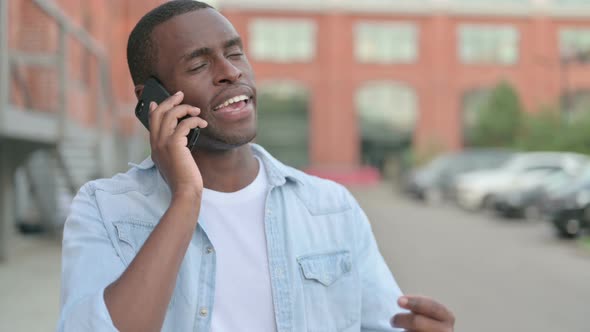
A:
<point x="380" y="291"/>
<point x="89" y="264"/>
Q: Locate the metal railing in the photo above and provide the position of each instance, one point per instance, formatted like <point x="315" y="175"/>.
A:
<point x="58" y="61"/>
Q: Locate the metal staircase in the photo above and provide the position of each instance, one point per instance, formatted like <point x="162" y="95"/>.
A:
<point x="54" y="153"/>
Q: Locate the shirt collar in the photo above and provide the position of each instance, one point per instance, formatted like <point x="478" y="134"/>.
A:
<point x="278" y="173"/>
<point x="144" y="165"/>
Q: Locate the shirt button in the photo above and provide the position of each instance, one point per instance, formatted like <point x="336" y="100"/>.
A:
<point x="209" y="249"/>
<point x="204" y="312"/>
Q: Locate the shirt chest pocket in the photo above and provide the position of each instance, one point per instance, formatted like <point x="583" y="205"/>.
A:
<point x="132" y="235"/>
<point x="331" y="291"/>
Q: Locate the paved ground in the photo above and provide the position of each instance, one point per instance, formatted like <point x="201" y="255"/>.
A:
<point x="29" y="285"/>
<point x="496" y="276"/>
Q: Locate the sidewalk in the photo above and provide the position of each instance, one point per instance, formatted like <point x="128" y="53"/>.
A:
<point x="29" y="284"/>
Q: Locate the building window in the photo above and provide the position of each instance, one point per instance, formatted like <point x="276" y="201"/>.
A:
<point x="387" y="115"/>
<point x="577" y="104"/>
<point x="575" y="43"/>
<point x="571" y="2"/>
<point x="282" y="40"/>
<point x="283" y="121"/>
<point x="473" y="102"/>
<point x="488" y="44"/>
<point x="386" y="42"/>
<point x="374" y="102"/>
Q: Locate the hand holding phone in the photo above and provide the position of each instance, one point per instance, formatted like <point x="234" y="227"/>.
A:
<point x="170" y="123"/>
<point x="154" y="91"/>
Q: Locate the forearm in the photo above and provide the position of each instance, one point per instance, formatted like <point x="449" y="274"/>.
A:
<point x="138" y="300"/>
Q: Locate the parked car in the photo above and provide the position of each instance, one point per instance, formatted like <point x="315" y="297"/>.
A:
<point x="552" y="191"/>
<point x="435" y="180"/>
<point x="477" y="190"/>
<point x="568" y="209"/>
<point x="531" y="203"/>
<point x="523" y="197"/>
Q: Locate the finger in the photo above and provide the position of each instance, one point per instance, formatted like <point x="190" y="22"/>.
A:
<point x="172" y="101"/>
<point x="172" y="118"/>
<point x="418" y="323"/>
<point x="161" y="109"/>
<point x="427" y="307"/>
<point x="186" y="125"/>
<point x="153" y="129"/>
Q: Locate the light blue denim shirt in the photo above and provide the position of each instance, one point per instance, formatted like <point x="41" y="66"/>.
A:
<point x="326" y="271"/>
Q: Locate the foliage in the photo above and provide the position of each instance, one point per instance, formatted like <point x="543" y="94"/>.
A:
<point x="540" y="130"/>
<point x="549" y="130"/>
<point x="502" y="123"/>
<point x="499" y="120"/>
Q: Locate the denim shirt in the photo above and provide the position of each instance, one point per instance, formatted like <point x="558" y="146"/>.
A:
<point x="326" y="271"/>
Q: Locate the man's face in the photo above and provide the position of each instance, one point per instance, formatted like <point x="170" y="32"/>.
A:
<point x="201" y="54"/>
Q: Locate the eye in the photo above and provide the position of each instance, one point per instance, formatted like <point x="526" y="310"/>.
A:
<point x="198" y="67"/>
<point x="235" y="55"/>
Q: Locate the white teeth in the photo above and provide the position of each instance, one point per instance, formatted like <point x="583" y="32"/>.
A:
<point x="231" y="101"/>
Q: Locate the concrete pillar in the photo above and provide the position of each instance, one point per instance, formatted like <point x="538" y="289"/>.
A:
<point x="6" y="199"/>
<point x="4" y="65"/>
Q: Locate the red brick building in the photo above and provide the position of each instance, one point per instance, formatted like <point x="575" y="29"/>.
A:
<point x="436" y="57"/>
<point x="422" y="63"/>
<point x="34" y="31"/>
<point x="66" y="103"/>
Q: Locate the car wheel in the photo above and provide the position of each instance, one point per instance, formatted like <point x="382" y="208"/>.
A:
<point x="433" y="196"/>
<point x="586" y="214"/>
<point x="573" y="227"/>
<point x="532" y="213"/>
<point x="488" y="203"/>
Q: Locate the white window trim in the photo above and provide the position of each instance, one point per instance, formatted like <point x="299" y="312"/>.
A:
<point x="253" y="53"/>
<point x="414" y="27"/>
<point x="490" y="27"/>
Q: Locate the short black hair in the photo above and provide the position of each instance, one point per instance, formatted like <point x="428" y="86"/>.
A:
<point x="141" y="51"/>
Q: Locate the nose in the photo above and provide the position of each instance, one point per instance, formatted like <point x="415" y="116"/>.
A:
<point x="226" y="72"/>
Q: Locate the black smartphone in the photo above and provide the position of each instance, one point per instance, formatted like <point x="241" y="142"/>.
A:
<point x="154" y="91"/>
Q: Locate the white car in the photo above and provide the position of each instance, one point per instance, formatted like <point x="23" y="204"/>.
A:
<point x="477" y="190"/>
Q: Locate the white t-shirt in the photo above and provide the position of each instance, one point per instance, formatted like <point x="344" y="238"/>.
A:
<point x="235" y="226"/>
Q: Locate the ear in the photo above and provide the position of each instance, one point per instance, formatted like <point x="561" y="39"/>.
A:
<point x="138" y="90"/>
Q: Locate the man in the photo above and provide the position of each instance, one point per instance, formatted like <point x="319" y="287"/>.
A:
<point x="225" y="238"/>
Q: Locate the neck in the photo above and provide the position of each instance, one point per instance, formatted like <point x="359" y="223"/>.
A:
<point x="229" y="170"/>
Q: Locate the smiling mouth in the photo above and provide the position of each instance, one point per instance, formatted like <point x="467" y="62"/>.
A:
<point x="233" y="103"/>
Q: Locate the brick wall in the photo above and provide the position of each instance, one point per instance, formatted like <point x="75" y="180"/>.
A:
<point x="438" y="78"/>
<point x="109" y="23"/>
<point x="332" y="78"/>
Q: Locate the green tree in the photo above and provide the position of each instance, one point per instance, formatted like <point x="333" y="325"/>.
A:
<point x="540" y="131"/>
<point x="499" y="120"/>
<point x="549" y="130"/>
<point x="574" y="135"/>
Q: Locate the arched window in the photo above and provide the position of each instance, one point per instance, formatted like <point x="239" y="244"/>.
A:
<point x="578" y="103"/>
<point x="283" y="125"/>
<point x="472" y="104"/>
<point x="387" y="115"/>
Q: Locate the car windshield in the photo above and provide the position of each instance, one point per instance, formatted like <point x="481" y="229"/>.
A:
<point x="527" y="161"/>
<point x="496" y="159"/>
<point x="555" y="181"/>
<point x="439" y="164"/>
<point x="585" y="175"/>
<point x="570" y="184"/>
<point x="515" y="163"/>
<point x="474" y="160"/>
